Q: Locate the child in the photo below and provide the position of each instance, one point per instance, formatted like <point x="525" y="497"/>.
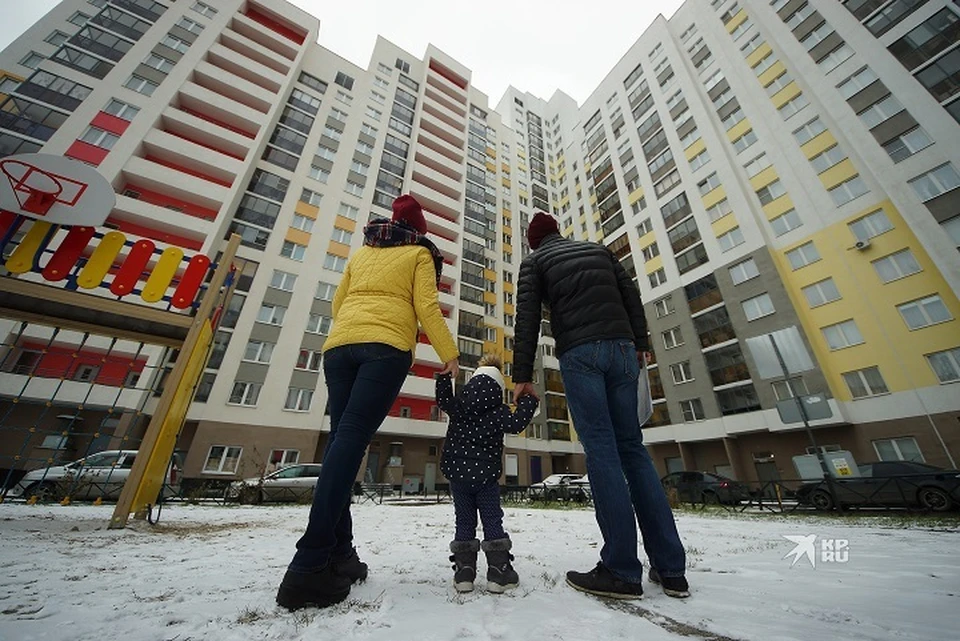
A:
<point x="471" y="461"/>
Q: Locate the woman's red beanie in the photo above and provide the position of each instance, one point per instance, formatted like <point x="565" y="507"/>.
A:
<point x="541" y="226"/>
<point x="406" y="209"/>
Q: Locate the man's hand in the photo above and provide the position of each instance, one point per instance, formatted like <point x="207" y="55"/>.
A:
<point x="524" y="388"/>
<point x="645" y="358"/>
<point x="451" y="367"/>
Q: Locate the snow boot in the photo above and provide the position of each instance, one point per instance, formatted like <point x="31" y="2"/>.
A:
<point x="500" y="574"/>
<point x="350" y="566"/>
<point x="464" y="559"/>
<point x="675" y="586"/>
<point x="313" y="589"/>
<point x="602" y="582"/>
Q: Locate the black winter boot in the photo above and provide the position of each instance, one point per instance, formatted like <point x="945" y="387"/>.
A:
<point x="500" y="574"/>
<point x="464" y="564"/>
<point x="350" y="566"/>
<point x="318" y="589"/>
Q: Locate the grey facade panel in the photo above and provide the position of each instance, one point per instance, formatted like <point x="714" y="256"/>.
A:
<point x="790" y="8"/>
<point x="167" y="52"/>
<point x="686" y="128"/>
<point x="320" y="306"/>
<point x="360" y="179"/>
<point x="718" y="89"/>
<point x="329" y="142"/>
<point x="334" y="123"/>
<point x="870" y="94"/>
<point x="825" y="46"/>
<point x="700" y="56"/>
<point x="265" y="332"/>
<point x="663" y="171"/>
<point x="304" y="379"/>
<point x="367" y="138"/>
<point x="252" y="372"/>
<point x="803" y="29"/>
<point x="274" y="296"/>
<point x="362" y="157"/>
<point x="728" y="108"/>
<point x="945" y="206"/>
<point x="153" y="75"/>
<point x="313" y="342"/>
<point x="183" y="34"/>
<point x="678" y="109"/>
<point x="893" y="127"/>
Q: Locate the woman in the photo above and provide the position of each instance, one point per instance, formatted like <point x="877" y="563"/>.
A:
<point x="389" y="286"/>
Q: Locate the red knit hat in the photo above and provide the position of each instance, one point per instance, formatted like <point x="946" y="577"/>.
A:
<point x="406" y="209"/>
<point x="541" y="226"/>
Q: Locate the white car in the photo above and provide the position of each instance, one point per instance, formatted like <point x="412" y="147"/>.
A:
<point x="99" y="475"/>
<point x="291" y="483"/>
<point x="561" y="486"/>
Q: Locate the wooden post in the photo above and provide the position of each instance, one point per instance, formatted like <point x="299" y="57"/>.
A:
<point x="150" y="466"/>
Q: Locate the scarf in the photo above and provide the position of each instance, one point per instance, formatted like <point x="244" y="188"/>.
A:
<point x="381" y="232"/>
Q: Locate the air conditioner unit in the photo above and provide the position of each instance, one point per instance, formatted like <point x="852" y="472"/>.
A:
<point x="861" y="244"/>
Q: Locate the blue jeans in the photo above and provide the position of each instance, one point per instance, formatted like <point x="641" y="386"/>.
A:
<point x="468" y="501"/>
<point x="363" y="381"/>
<point x="600" y="381"/>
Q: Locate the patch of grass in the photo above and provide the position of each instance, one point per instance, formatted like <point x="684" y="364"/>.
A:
<point x="549" y="505"/>
<point x="251" y="615"/>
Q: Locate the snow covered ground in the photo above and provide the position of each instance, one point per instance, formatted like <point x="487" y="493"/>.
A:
<point x="211" y="573"/>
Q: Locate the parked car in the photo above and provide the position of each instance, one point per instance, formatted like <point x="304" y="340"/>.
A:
<point x="291" y="483"/>
<point x="888" y="484"/>
<point x="560" y="487"/>
<point x="99" y="475"/>
<point x="705" y="487"/>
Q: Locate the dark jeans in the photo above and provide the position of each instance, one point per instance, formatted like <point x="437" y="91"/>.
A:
<point x="467" y="501"/>
<point x="600" y="379"/>
<point x="363" y="381"/>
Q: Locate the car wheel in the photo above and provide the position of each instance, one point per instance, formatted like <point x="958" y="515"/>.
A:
<point x="43" y="491"/>
<point x="821" y="500"/>
<point x="935" y="499"/>
<point x="250" y="496"/>
<point x="710" y="498"/>
<point x="552" y="495"/>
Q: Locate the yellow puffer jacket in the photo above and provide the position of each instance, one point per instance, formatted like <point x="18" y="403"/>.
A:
<point x="385" y="291"/>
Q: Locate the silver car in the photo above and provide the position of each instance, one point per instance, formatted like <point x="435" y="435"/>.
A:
<point x="99" y="475"/>
<point x="291" y="483"/>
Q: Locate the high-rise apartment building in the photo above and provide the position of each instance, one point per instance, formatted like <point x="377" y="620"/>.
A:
<point x="757" y="167"/>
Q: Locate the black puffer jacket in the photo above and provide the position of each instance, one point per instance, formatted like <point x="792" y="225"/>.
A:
<point x="589" y="294"/>
<point x="473" y="451"/>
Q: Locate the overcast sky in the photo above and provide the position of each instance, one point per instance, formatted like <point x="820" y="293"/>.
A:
<point x="504" y="42"/>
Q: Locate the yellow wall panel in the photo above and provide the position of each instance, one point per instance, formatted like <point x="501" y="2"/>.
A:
<point x="306" y="209"/>
<point x="695" y="148"/>
<point x="725" y="224"/>
<point x="714" y="196"/>
<point x="758" y="54"/>
<point x="779" y="206"/>
<point x="345" y="223"/>
<point x="739" y="129"/>
<point x="736" y="20"/>
<point x="838" y="173"/>
<point x="818" y="144"/>
<point x="767" y="76"/>
<point x="634" y="196"/>
<point x="764" y="178"/>
<point x="653" y="264"/>
<point x="785" y="95"/>
<point x="298" y="236"/>
<point x="338" y="249"/>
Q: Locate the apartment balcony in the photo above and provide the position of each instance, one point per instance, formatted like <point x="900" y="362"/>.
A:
<point x="442" y="130"/>
<point x="447" y="301"/>
<point x="175" y="182"/>
<point x="199" y="159"/>
<point x="452" y="120"/>
<point x="202" y="132"/>
<point x="234" y="87"/>
<point x="437" y="181"/>
<point x="439" y="163"/>
<point x="246" y="68"/>
<point x="437" y="203"/>
<point x="175" y="222"/>
<point x="401" y="426"/>
<point x="447" y="87"/>
<point x="418" y="387"/>
<point x="40" y="389"/>
<point x="254" y="51"/>
<point x="265" y="37"/>
<point x="427" y="139"/>
<point x="449" y="248"/>
<point x="453" y="107"/>
<point x="224" y="111"/>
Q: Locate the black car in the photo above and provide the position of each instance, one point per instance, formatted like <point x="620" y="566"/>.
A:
<point x="705" y="487"/>
<point x="888" y="484"/>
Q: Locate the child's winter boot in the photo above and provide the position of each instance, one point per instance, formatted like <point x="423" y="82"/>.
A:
<point x="500" y="574"/>
<point x="464" y="564"/>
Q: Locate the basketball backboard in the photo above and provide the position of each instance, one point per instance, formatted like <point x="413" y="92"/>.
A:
<point x="55" y="189"/>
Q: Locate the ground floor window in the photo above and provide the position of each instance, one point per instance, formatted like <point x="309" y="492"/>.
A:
<point x="904" y="448"/>
<point x="223" y="459"/>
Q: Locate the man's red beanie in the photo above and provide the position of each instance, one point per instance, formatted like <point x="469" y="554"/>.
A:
<point x="541" y="226"/>
<point x="406" y="209"/>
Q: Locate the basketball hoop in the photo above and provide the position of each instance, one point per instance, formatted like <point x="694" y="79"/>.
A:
<point x="36" y="190"/>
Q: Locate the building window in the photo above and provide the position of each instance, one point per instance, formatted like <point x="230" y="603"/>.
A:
<point x="907" y="144"/>
<point x="865" y="382"/>
<point x="672" y="338"/>
<point x="78" y="18"/>
<point x="140" y="85"/>
<point x="341" y="236"/>
<point x="793" y="105"/>
<point x="841" y="335"/>
<point x="283" y="280"/>
<point x="298" y="399"/>
<point x="57" y="38"/>
<point x="99" y="138"/>
<point x="657" y="278"/>
<point x="223" y="459"/>
<point x="896" y="266"/>
<point x="319" y="324"/>
<point x="719" y="210"/>
<point x="786" y="222"/>
<point x="924" y="312"/>
<point x="809" y="131"/>
<point x="293" y="251"/>
<point x="758" y="307"/>
<point x="32" y="60"/>
<point x="880" y="111"/>
<point x="335" y="263"/>
<point x="828" y="158"/>
<point x="258" y="351"/>
<point x="730" y="239"/>
<point x="309" y="360"/>
<point x="244" y="393"/>
<point x="768" y="193"/>
<point x="175" y="43"/>
<point x="204" y="9"/>
<point x="271" y="314"/>
<point x="946" y="365"/>
<point x="325" y="291"/>
<point x="681" y="372"/>
<point x="803" y="255"/>
<point x="692" y="410"/>
<point x="821" y="293"/>
<point x="782" y="391"/>
<point x="708" y="184"/>
<point x="936" y="182"/>
<point x="904" y="448"/>
<point x="161" y="64"/>
<point x="311" y="197"/>
<point x="744" y="271"/>
<point x="664" y="307"/>
<point x="303" y="223"/>
<point x="121" y="110"/>
<point x="848" y="190"/>
<point x="871" y="225"/>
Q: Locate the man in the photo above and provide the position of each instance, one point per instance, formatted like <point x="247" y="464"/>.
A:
<point x="597" y="319"/>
